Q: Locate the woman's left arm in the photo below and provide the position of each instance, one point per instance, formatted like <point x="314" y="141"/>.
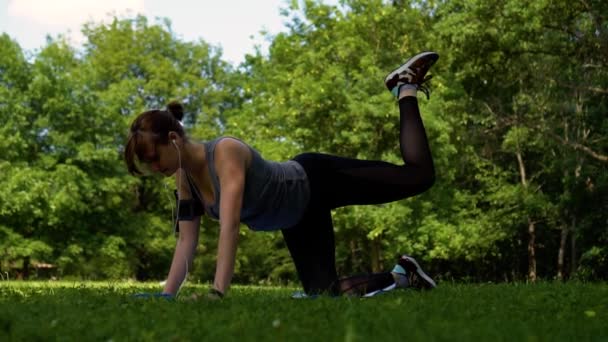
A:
<point x="231" y="159"/>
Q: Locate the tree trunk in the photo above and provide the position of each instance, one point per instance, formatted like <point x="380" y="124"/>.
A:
<point x="562" y="253"/>
<point x="531" y="251"/>
<point x="26" y="268"/>
<point x="353" y="254"/>
<point x="522" y="170"/>
<point x="531" y="224"/>
<point x="564" y="231"/>
<point x="573" y="261"/>
<point x="375" y="254"/>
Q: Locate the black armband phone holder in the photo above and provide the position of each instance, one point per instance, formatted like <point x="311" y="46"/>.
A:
<point x="188" y="210"/>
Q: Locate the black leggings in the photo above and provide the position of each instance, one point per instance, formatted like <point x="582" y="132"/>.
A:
<point x="337" y="182"/>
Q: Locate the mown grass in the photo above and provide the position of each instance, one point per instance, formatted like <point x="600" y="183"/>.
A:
<point x="66" y="311"/>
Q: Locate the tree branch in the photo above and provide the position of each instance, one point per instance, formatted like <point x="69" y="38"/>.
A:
<point x="591" y="89"/>
<point x="577" y="146"/>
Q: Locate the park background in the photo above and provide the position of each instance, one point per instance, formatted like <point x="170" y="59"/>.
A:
<point x="517" y="123"/>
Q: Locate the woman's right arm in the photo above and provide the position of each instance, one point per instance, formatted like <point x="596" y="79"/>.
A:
<point x="184" y="254"/>
<point x="187" y="241"/>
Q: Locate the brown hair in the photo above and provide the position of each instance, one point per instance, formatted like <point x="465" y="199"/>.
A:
<point x="157" y="124"/>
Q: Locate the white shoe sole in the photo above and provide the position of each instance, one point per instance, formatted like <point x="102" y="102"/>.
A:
<point x="386" y="289"/>
<point x="420" y="272"/>
<point x="407" y="65"/>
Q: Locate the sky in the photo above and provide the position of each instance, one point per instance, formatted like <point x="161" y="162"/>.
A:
<point x="234" y="25"/>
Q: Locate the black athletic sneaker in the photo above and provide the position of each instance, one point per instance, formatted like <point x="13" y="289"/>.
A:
<point x="416" y="277"/>
<point x="412" y="72"/>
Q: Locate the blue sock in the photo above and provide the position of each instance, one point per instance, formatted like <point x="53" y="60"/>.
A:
<point x="397" y="89"/>
<point x="400" y="276"/>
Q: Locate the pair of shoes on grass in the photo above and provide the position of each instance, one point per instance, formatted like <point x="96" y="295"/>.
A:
<point x="407" y="273"/>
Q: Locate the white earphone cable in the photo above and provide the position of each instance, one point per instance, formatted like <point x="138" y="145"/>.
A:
<point x="179" y="178"/>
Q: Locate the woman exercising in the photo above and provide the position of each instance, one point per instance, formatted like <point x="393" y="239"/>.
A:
<point x="230" y="181"/>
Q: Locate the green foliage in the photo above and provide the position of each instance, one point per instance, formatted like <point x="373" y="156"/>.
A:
<point x="516" y="124"/>
<point x="593" y="264"/>
<point x="66" y="118"/>
<point x="15" y="247"/>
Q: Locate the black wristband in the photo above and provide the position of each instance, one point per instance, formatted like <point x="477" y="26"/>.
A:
<point x="216" y="292"/>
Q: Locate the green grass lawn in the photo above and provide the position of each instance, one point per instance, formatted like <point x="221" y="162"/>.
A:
<point x="75" y="311"/>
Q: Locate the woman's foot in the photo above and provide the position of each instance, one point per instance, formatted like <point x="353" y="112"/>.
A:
<point x="408" y="273"/>
<point x="412" y="72"/>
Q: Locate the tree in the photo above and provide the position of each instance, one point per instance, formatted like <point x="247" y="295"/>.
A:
<point x="517" y="67"/>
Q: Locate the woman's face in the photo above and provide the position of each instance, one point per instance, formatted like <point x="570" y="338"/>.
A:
<point x="160" y="158"/>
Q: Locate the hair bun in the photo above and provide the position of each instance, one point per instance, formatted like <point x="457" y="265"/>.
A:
<point x="176" y="109"/>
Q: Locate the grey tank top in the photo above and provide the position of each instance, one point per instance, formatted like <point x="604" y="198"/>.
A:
<point x="275" y="196"/>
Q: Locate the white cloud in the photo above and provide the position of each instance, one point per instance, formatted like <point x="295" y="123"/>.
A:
<point x="71" y="12"/>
